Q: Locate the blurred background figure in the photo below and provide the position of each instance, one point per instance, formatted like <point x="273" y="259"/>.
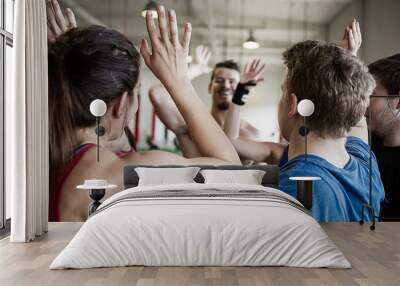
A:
<point x="385" y="125"/>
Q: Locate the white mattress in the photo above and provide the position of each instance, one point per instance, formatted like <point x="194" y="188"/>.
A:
<point x="141" y="226"/>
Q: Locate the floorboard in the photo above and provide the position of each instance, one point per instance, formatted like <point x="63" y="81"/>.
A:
<point x="374" y="255"/>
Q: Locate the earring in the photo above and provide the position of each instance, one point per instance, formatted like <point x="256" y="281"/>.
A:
<point x="303" y="131"/>
<point x="100" y="130"/>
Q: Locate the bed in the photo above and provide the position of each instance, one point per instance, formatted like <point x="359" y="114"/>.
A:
<point x="201" y="224"/>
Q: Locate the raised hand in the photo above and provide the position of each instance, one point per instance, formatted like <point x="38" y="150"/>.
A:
<point x="253" y="72"/>
<point x="199" y="65"/>
<point x="352" y="38"/>
<point x="57" y="23"/>
<point x="250" y="77"/>
<point x="202" y="57"/>
<point x="167" y="56"/>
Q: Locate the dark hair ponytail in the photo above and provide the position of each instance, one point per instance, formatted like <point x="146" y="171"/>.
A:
<point x="85" y="64"/>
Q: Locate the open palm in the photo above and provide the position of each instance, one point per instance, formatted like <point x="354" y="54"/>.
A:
<point x="352" y="40"/>
<point x="253" y="72"/>
<point x="57" y="23"/>
<point x="202" y="57"/>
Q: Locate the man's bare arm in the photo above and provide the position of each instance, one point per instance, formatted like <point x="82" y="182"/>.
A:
<point x="167" y="111"/>
<point x="170" y="116"/>
<point x="268" y="152"/>
<point x="249" y="131"/>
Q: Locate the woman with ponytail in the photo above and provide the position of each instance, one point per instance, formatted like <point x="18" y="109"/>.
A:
<point x="100" y="63"/>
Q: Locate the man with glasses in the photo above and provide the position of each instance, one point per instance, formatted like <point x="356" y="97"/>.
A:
<point x="385" y="125"/>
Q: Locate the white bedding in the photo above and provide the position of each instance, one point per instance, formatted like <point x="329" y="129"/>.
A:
<point x="220" y="226"/>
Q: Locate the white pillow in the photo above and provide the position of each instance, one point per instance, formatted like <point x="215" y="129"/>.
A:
<point x="163" y="176"/>
<point x="248" y="177"/>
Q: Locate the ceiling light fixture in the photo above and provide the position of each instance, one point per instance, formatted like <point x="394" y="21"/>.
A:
<point x="251" y="43"/>
<point x="150" y="6"/>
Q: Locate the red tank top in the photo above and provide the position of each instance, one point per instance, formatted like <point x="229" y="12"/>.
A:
<point x="59" y="178"/>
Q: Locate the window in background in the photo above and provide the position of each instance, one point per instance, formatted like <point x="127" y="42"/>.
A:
<point x="8" y="79"/>
<point x="6" y="69"/>
<point x="9" y="13"/>
<point x="2" y="194"/>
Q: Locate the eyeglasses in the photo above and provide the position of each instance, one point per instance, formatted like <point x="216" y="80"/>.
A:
<point x="385" y="96"/>
<point x="388" y="108"/>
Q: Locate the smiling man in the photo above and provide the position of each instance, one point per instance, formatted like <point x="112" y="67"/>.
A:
<point x="225" y="77"/>
<point x="224" y="80"/>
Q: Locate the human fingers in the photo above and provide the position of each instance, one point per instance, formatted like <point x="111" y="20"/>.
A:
<point x="162" y="24"/>
<point x="59" y="17"/>
<point x="246" y="68"/>
<point x="354" y="26"/>
<point x="71" y="18"/>
<point x="51" y="21"/>
<point x="352" y="44"/>
<point x="198" y="50"/>
<point x="186" y="36"/>
<point x="253" y="64"/>
<point x="359" y="33"/>
<point x="173" y="27"/>
<point x="151" y="29"/>
<point x="208" y="56"/>
<point x="258" y="64"/>
<point x="145" y="51"/>
<point x="203" y="51"/>
<point x="260" y="69"/>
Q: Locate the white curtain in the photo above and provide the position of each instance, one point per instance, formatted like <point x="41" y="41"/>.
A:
<point x="27" y="155"/>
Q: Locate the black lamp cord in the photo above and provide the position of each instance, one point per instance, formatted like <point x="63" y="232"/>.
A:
<point x="305" y="138"/>
<point x="98" y="139"/>
<point x="370" y="157"/>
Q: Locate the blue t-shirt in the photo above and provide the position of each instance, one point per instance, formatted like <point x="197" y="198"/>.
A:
<point x="341" y="192"/>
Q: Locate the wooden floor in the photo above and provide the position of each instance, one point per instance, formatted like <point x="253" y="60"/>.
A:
<point x="374" y="255"/>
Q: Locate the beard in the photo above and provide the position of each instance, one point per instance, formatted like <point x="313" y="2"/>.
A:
<point x="222" y="106"/>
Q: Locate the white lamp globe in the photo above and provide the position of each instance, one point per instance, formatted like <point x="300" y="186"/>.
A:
<point x="305" y="107"/>
<point x="98" y="107"/>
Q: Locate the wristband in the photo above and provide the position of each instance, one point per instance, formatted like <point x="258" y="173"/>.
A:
<point x="241" y="92"/>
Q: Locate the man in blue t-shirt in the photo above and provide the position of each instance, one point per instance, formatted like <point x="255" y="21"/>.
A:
<point x="339" y="85"/>
<point x="342" y="191"/>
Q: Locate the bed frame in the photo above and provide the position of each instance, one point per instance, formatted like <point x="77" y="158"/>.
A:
<point x="270" y="179"/>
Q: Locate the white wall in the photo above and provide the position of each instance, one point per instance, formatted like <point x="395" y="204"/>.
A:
<point x="382" y="27"/>
<point x="380" y="22"/>
<point x="262" y="107"/>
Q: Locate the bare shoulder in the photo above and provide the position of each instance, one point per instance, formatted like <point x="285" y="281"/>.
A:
<point x="168" y="158"/>
<point x="156" y="157"/>
<point x="110" y="166"/>
<point x="249" y="131"/>
<point x="74" y="202"/>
